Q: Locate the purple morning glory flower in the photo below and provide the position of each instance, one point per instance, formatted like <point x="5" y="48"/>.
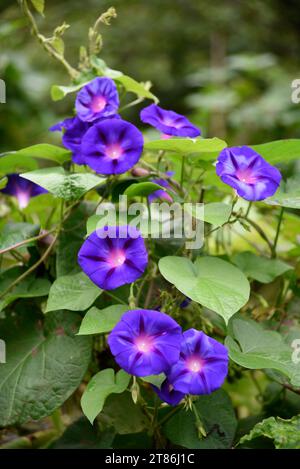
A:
<point x="145" y="342"/>
<point x="72" y="137"/>
<point x="248" y="173"/>
<point x="160" y="193"/>
<point x="168" y="122"/>
<point x="202" y="365"/>
<point x="99" y="98"/>
<point x="22" y="189"/>
<point x="168" y="394"/>
<point x="113" y="256"/>
<point x="112" y="146"/>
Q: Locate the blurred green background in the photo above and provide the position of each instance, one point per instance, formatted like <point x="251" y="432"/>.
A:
<point x="227" y="64"/>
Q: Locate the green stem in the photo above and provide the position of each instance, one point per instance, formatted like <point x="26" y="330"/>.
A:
<point x="248" y="209"/>
<point x="26" y="241"/>
<point x="182" y="170"/>
<point x="277" y="232"/>
<point x="57" y="421"/>
<point x="115" y="297"/>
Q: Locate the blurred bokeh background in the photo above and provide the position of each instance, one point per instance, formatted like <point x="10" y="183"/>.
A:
<point x="227" y="64"/>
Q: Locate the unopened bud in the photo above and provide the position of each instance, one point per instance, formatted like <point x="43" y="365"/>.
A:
<point x="140" y="172"/>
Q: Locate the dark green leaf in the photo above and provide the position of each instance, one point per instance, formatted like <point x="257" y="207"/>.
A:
<point x="260" y="268"/>
<point x="142" y="189"/>
<point x="14" y="233"/>
<point x="43" y="151"/>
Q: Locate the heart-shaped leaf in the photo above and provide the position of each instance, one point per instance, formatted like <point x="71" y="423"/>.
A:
<point x="98" y="321"/>
<point x="212" y="282"/>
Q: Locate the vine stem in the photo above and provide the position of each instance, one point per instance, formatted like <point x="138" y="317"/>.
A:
<point x="277" y="232"/>
<point x="43" y="41"/>
<point x="26" y="241"/>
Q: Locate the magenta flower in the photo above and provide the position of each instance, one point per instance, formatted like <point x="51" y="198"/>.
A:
<point x="248" y="173"/>
<point x="113" y="256"/>
<point x="145" y="342"/>
<point x="202" y="366"/>
<point x="168" y="394"/>
<point x="99" y="98"/>
<point x="22" y="189"/>
<point x="112" y="146"/>
<point x="168" y="122"/>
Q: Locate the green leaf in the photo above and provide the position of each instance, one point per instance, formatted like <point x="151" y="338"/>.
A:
<point x="288" y="194"/>
<point x="215" y="213"/>
<point x="30" y="287"/>
<point x="217" y="415"/>
<point x="188" y="145"/>
<point x="103" y="69"/>
<point x="116" y="411"/>
<point x="73" y="292"/>
<point x="98" y="321"/>
<point x="279" y="151"/>
<point x="39" y="5"/>
<point x="140" y="89"/>
<point x="81" y="435"/>
<point x="157" y="380"/>
<point x="3" y="182"/>
<point x="43" y="151"/>
<point x="253" y="347"/>
<point x="284" y="433"/>
<point x="13" y="233"/>
<point x="14" y="163"/>
<point x="64" y="185"/>
<point x="44" y="365"/>
<point x="58" y="92"/>
<point x="142" y="189"/>
<point x="212" y="282"/>
<point x="103" y="384"/>
<point x="259" y="268"/>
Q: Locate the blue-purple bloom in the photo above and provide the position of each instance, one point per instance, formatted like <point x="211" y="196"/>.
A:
<point x="112" y="146"/>
<point x="74" y="130"/>
<point x="202" y="366"/>
<point x="160" y="193"/>
<point x="22" y="189"/>
<point x="248" y="173"/>
<point x="111" y="262"/>
<point x="145" y="342"/>
<point x="168" y="394"/>
<point x="99" y="98"/>
<point x="168" y="122"/>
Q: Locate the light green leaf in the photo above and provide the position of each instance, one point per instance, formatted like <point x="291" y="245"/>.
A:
<point x="279" y="151"/>
<point x="13" y="233"/>
<point x="215" y="213"/>
<point x="73" y="292"/>
<point x="260" y="268"/>
<point x="103" y="69"/>
<point x="212" y="282"/>
<point x="142" y="189"/>
<point x="43" y="151"/>
<point x="44" y="365"/>
<point x="156" y="380"/>
<point x="98" y="321"/>
<point x="14" y="163"/>
<point x="217" y="415"/>
<point x="3" y="182"/>
<point x="64" y="185"/>
<point x="103" y="384"/>
<point x="133" y="86"/>
<point x="30" y="287"/>
<point x="188" y="146"/>
<point x="251" y="346"/>
<point x="58" y="92"/>
<point x="288" y="194"/>
<point x="39" y="5"/>
<point x="284" y="433"/>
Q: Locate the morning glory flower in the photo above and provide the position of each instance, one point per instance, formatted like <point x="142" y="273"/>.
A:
<point x="112" y="146"/>
<point x="168" y="394"/>
<point x="22" y="189"/>
<point x="160" y="193"/>
<point x="145" y="342"/>
<point x="74" y="130"/>
<point x="202" y="366"/>
<point x="168" y="122"/>
<point x="248" y="173"/>
<point x="113" y="256"/>
<point x="99" y="98"/>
